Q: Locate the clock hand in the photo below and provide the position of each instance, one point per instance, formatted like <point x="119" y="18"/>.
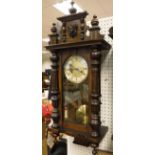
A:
<point x="72" y="68"/>
<point x="81" y="71"/>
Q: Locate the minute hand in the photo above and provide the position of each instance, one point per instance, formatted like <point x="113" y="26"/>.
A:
<point x="81" y="71"/>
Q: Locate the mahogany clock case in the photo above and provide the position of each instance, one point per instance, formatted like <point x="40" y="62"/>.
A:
<point x="77" y="104"/>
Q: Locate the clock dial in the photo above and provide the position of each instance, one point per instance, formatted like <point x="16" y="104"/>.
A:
<point x="76" y="69"/>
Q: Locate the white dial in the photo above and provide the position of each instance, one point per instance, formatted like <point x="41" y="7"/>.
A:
<point x="76" y="69"/>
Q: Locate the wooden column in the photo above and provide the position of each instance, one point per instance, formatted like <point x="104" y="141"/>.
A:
<point x="82" y="29"/>
<point x="54" y="95"/>
<point x="54" y="83"/>
<point x="54" y="89"/>
<point x="95" y="96"/>
<point x="64" y="32"/>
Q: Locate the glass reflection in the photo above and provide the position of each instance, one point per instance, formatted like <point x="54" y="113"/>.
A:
<point x="75" y="99"/>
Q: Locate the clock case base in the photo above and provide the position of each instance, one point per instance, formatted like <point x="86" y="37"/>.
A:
<point x="80" y="138"/>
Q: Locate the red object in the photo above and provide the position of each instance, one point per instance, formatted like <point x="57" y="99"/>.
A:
<point x="47" y="109"/>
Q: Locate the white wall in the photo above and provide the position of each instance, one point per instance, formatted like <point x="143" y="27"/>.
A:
<point x="46" y="63"/>
<point x="107" y="87"/>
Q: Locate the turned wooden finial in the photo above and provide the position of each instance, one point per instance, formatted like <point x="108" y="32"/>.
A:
<point x="54" y="36"/>
<point x="72" y="10"/>
<point x="54" y="29"/>
<point x="94" y="146"/>
<point x="94" y="21"/>
<point x="95" y="29"/>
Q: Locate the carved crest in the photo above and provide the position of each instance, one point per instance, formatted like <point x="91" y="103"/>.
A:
<point x="72" y="30"/>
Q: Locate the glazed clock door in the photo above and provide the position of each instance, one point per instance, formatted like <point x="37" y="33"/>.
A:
<point x="76" y="89"/>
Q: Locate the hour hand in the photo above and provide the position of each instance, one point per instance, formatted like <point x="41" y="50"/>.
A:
<point x="81" y="71"/>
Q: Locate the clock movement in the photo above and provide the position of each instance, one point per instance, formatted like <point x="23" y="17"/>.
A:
<point x="75" y="79"/>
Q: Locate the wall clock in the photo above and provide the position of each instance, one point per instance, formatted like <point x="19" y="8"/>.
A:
<point x="75" y="79"/>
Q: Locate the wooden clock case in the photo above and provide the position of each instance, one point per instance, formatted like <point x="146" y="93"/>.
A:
<point x="72" y="40"/>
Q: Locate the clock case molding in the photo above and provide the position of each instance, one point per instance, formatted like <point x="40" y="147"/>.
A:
<point x="73" y="39"/>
